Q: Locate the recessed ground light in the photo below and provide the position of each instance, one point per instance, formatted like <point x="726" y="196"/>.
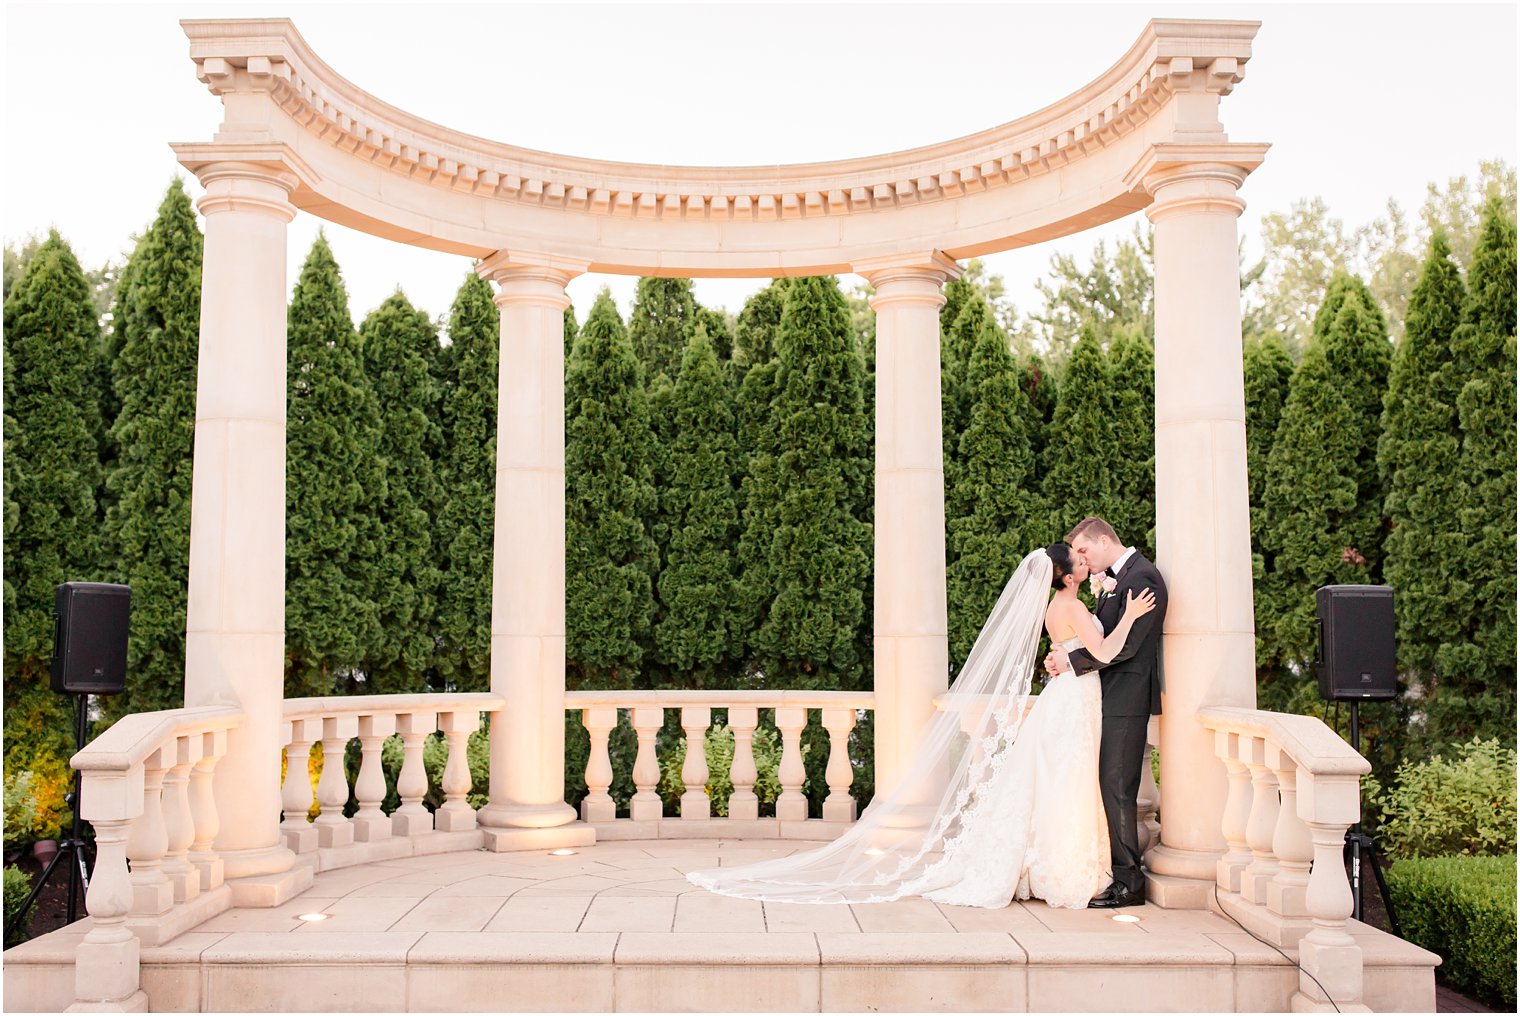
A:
<point x="313" y="917"/>
<point x="1126" y="918"/>
<point x="561" y="852"/>
<point x="875" y="852"/>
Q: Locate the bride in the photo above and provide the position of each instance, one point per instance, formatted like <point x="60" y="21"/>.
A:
<point x="1000" y="801"/>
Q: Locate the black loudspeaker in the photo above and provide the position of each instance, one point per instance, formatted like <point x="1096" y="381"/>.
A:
<point x="1355" y="654"/>
<point x="90" y="621"/>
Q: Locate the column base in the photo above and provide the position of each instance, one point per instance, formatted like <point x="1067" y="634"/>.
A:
<point x="525" y="816"/>
<point x="1202" y="865"/>
<point x="576" y="834"/>
<point x="135" y="1002"/>
<point x="271" y="860"/>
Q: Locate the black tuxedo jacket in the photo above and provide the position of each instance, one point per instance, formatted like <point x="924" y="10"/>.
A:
<point x="1132" y="679"/>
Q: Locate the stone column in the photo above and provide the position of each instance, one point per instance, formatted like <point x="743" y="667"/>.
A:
<point x="1203" y="542"/>
<point x="912" y="658"/>
<point x="528" y="570"/>
<point x="235" y="623"/>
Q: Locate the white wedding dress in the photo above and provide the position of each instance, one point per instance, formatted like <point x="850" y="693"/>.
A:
<point x="998" y="801"/>
<point x="1037" y="828"/>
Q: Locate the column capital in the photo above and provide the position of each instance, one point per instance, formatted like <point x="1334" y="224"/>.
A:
<point x="912" y="277"/>
<point x="530" y="276"/>
<point x="1194" y="178"/>
<point x="246" y="177"/>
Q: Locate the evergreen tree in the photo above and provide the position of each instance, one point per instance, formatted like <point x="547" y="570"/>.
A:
<point x="957" y="340"/>
<point x="755" y="337"/>
<point x="1315" y="525"/>
<point x="697" y="634"/>
<point x="1041" y="388"/>
<point x="147" y="527"/>
<point x="571" y="329"/>
<point x="611" y="561"/>
<point x="52" y="488"/>
<point x="1426" y="556"/>
<point x="1480" y="662"/>
<point x="334" y="484"/>
<point x="821" y="551"/>
<point x="1268" y="373"/>
<point x="720" y="332"/>
<point x="995" y="516"/>
<point x="663" y="316"/>
<point x="1133" y="496"/>
<point x="467" y="478"/>
<point x="1360" y="356"/>
<point x="1081" y="448"/>
<point x="398" y="342"/>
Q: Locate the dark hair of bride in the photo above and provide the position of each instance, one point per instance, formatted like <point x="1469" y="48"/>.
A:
<point x="1060" y="563"/>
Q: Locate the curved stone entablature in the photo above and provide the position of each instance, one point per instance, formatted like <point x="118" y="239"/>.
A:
<point x="363" y="163"/>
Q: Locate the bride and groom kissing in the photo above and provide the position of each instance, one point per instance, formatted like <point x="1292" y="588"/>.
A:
<point x="1009" y="795"/>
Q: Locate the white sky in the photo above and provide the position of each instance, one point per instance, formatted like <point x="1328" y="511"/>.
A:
<point x="1360" y="102"/>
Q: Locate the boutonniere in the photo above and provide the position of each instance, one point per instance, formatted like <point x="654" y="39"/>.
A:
<point x="1101" y="583"/>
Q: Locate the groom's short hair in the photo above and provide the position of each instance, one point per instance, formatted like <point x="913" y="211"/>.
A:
<point x="1092" y="527"/>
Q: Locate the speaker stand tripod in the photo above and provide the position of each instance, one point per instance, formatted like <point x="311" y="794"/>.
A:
<point x="1360" y="845"/>
<point x="75" y="847"/>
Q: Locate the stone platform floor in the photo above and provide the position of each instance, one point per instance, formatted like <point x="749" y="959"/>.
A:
<point x="616" y="926"/>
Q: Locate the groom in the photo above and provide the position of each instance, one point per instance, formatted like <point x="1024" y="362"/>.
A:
<point x="1131" y="695"/>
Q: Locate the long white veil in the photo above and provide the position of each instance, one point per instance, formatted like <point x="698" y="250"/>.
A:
<point x="907" y="833"/>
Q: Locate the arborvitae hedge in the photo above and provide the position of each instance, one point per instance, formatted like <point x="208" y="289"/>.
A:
<point x="611" y="561"/>
<point x="1268" y="373"/>
<point x="147" y="527"/>
<point x="399" y="342"/>
<point x="697" y="637"/>
<point x="1481" y="661"/>
<point x="52" y="487"/>
<point x="1427" y="560"/>
<point x="1082" y="448"/>
<point x="467" y="477"/>
<point x="820" y="554"/>
<point x="994" y="513"/>
<point x="334" y="482"/>
<point x="1132" y="372"/>
<point x="664" y="314"/>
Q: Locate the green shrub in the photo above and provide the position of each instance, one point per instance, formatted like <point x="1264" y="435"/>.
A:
<point x="17" y="887"/>
<point x="720" y="757"/>
<point x="1462" y="909"/>
<point x="1448" y="806"/>
<point x="22" y="815"/>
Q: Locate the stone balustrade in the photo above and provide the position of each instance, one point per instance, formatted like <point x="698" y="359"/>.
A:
<point x="1294" y="790"/>
<point x="314" y="823"/>
<point x="146" y="790"/>
<point x="646" y="713"/>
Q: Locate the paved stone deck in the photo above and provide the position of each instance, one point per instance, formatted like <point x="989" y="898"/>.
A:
<point x="617" y="927"/>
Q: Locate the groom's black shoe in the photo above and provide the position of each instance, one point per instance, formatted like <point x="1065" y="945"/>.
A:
<point x="1116" y="896"/>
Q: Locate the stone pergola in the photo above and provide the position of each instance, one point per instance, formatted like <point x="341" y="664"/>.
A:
<point x="1144" y="136"/>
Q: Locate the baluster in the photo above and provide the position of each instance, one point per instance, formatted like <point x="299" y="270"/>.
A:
<point x="412" y="819"/>
<point x="696" y="806"/>
<point x="148" y="842"/>
<point x="646" y="804"/>
<point x="370" y="823"/>
<point x="1261" y="823"/>
<point x="456" y="815"/>
<point x="1237" y="811"/>
<point x="333" y="830"/>
<point x="295" y="794"/>
<point x="1148" y="799"/>
<point x="106" y="967"/>
<point x="839" y="806"/>
<point x="1328" y="952"/>
<point x="178" y="826"/>
<point x="203" y="855"/>
<point x="597" y="805"/>
<point x="743" y="805"/>
<point x="1291" y="842"/>
<point x="791" y="806"/>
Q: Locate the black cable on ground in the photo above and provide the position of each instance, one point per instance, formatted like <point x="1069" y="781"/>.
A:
<point x="1263" y="941"/>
